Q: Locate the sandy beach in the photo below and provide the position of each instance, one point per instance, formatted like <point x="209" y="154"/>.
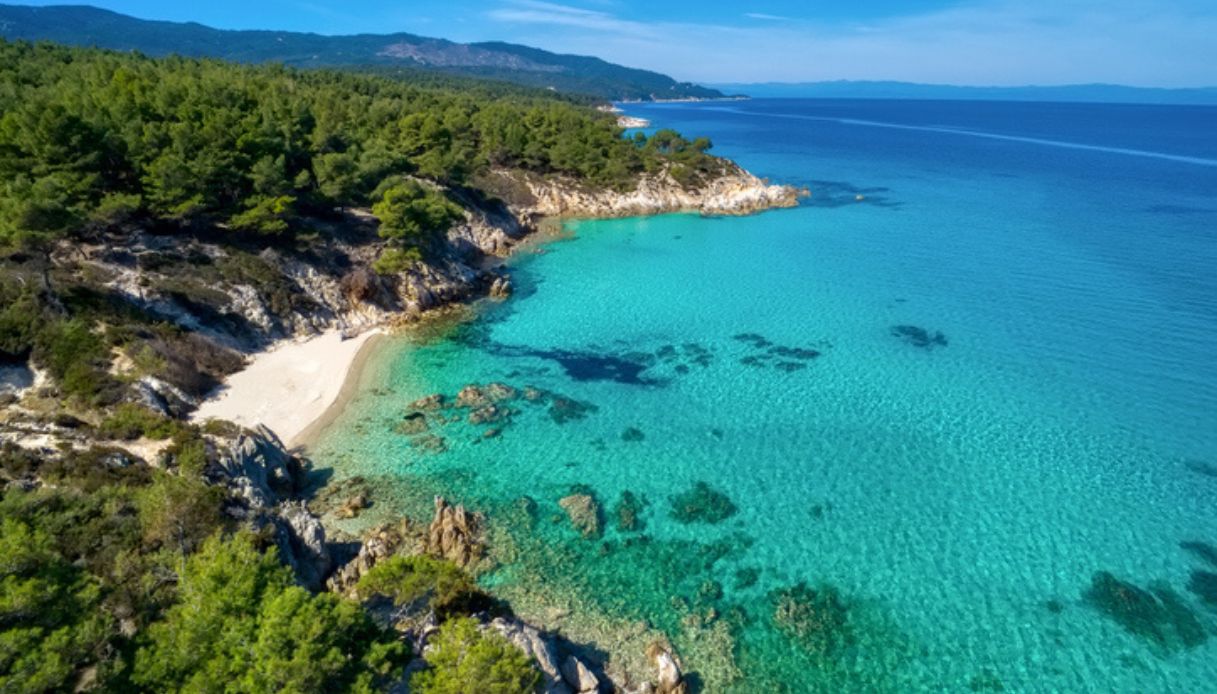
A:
<point x="290" y="388"/>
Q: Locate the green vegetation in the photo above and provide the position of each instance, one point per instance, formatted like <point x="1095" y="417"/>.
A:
<point x="132" y="190"/>
<point x="441" y="584"/>
<point x="240" y="625"/>
<point x="129" y="422"/>
<point x="130" y="577"/>
<point x="92" y="550"/>
<point x="91" y="140"/>
<point x="467" y="660"/>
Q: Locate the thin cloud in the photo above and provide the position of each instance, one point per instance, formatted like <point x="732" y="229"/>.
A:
<point x="537" y="12"/>
<point x="766" y="17"/>
<point x="985" y="42"/>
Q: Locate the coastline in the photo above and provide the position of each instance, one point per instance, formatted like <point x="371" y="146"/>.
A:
<point x="351" y="380"/>
<point x="294" y="389"/>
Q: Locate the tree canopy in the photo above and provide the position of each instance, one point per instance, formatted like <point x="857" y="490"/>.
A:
<point x="92" y="139"/>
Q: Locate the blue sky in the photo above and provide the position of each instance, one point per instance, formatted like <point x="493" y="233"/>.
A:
<point x="975" y="42"/>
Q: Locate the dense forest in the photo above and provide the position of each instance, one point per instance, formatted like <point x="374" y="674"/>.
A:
<point x="94" y="139"/>
<point x="120" y="575"/>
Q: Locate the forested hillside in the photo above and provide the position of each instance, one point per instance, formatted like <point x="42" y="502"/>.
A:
<point x="90" y="26"/>
<point x="90" y="139"/>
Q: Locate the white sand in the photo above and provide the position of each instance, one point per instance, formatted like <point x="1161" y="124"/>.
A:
<point x="289" y="387"/>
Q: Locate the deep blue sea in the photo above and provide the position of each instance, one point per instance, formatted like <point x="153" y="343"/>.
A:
<point x="977" y="367"/>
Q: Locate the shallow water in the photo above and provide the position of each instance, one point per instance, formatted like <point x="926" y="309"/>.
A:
<point x="953" y="400"/>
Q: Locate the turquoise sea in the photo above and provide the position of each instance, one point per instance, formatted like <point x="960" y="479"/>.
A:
<point x="977" y="367"/>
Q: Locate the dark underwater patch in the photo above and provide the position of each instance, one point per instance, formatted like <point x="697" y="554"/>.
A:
<point x="1201" y="467"/>
<point x="815" y="618"/>
<point x="1204" y="585"/>
<point x="702" y="504"/>
<point x="767" y="354"/>
<point x="1202" y="550"/>
<point x="834" y="194"/>
<point x="583" y="366"/>
<point x="919" y="337"/>
<point x="1156" y="615"/>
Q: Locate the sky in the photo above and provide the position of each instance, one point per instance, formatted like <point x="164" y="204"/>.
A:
<point x="1162" y="43"/>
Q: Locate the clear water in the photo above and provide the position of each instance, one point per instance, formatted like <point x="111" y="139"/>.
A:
<point x="950" y="493"/>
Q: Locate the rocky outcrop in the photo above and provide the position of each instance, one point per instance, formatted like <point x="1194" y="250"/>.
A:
<point x="577" y="675"/>
<point x="668" y="675"/>
<point x="302" y="544"/>
<point x="454" y="534"/>
<point x="258" y="469"/>
<point x="378" y="544"/>
<point x="735" y="192"/>
<point x="535" y="645"/>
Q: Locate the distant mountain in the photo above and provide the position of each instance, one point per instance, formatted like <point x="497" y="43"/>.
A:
<point x="1099" y="93"/>
<point x="90" y="26"/>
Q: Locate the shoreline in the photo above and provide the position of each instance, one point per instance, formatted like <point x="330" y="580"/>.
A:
<point x="294" y="389"/>
<point x="352" y="378"/>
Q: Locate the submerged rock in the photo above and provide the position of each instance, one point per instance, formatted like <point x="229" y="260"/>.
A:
<point x="430" y="443"/>
<point x="919" y="337"/>
<point x="816" y="618"/>
<point x="489" y="414"/>
<point x="627" y="511"/>
<point x="702" y="504"/>
<point x="632" y="435"/>
<point x="413" y="423"/>
<point x="794" y="353"/>
<point x="1158" y="615"/>
<point x="584" y="512"/>
<point x="564" y="410"/>
<point x="352" y="507"/>
<point x="431" y="402"/>
<point x="499" y="392"/>
<point x="471" y="396"/>
<point x="1203" y="550"/>
<point x="1204" y="585"/>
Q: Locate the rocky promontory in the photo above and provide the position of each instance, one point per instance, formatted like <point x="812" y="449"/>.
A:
<point x="733" y="192"/>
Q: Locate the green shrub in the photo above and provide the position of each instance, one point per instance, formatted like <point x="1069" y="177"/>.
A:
<point x="242" y="625"/>
<point x="447" y="589"/>
<point x="396" y="260"/>
<point x="408" y="210"/>
<point x="50" y="624"/>
<point x="76" y="357"/>
<point x="129" y="421"/>
<point x="465" y="660"/>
